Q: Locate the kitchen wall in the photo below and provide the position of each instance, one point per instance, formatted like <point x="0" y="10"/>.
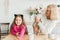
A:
<point x="10" y="7"/>
<point x="21" y="6"/>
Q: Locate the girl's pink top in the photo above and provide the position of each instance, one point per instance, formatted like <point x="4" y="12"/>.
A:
<point x="20" y="30"/>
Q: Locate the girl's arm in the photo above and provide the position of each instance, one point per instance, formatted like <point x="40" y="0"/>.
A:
<point x="22" y="32"/>
<point x="14" y="31"/>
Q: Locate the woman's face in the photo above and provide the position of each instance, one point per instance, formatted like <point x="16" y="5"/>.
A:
<point x="48" y="12"/>
<point x="18" y="20"/>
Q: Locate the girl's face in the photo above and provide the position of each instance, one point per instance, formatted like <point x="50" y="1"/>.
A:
<point x="18" y="20"/>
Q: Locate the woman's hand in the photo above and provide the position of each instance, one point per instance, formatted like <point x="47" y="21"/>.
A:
<point x="37" y="20"/>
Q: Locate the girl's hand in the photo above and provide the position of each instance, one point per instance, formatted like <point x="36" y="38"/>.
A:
<point x="17" y="34"/>
<point x="18" y="37"/>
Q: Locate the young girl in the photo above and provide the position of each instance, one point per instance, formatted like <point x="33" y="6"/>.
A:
<point x="18" y="27"/>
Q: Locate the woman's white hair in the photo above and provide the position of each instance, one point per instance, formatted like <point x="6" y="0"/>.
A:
<point x="54" y="12"/>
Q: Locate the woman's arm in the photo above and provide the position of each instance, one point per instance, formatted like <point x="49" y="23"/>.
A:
<point x="43" y="27"/>
<point x="48" y="27"/>
<point x="52" y="25"/>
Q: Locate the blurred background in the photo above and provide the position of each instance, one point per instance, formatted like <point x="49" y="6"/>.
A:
<point x="10" y="7"/>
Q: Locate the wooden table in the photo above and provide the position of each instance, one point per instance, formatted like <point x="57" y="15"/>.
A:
<point x="37" y="37"/>
<point x="26" y="37"/>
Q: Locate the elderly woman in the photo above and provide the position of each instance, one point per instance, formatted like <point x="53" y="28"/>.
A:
<point x="49" y="19"/>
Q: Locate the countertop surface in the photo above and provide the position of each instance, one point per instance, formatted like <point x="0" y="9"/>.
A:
<point x="26" y="37"/>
